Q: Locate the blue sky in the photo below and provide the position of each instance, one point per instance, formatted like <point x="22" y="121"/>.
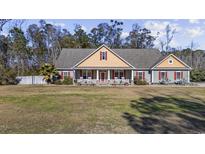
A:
<point x="187" y="30"/>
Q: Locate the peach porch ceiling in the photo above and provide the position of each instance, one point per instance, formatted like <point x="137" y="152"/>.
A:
<point x="112" y="61"/>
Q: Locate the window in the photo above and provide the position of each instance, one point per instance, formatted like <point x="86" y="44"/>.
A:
<point x="103" y="55"/>
<point x="84" y="74"/>
<point x="170" y="61"/>
<point x="66" y="73"/>
<point x="140" y="75"/>
<point x="89" y="73"/>
<point x="178" y="75"/>
<point x="116" y="74"/>
<point x="163" y="75"/>
<point x="119" y="74"/>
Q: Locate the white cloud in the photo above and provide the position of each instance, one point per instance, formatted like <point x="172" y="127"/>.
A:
<point x="194" y="21"/>
<point x="57" y="24"/>
<point x="159" y="26"/>
<point x="174" y="43"/>
<point x="84" y="28"/>
<point x="195" y="32"/>
<point x="124" y="35"/>
<point x="4" y="33"/>
<point x="62" y="25"/>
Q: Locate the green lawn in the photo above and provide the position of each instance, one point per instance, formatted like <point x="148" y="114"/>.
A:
<point x="67" y="109"/>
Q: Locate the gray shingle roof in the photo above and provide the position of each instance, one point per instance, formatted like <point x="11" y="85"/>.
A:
<point x="139" y="58"/>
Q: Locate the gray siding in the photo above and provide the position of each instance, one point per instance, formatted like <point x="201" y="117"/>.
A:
<point x="69" y="71"/>
<point x="147" y="75"/>
<point x="170" y="75"/>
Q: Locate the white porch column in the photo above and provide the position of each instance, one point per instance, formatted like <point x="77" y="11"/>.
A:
<point x="132" y="75"/>
<point x="152" y="77"/>
<point x="188" y="76"/>
<point x="74" y="77"/>
<point x="97" y="74"/>
<point x="108" y="75"/>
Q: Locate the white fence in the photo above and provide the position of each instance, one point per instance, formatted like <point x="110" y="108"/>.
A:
<point x="31" y="80"/>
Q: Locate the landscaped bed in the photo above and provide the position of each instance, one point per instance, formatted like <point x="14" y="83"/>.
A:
<point x="77" y="109"/>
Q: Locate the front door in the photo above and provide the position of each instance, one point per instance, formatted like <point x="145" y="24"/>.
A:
<point x="102" y="76"/>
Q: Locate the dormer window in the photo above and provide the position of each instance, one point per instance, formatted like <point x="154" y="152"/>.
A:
<point x="103" y="55"/>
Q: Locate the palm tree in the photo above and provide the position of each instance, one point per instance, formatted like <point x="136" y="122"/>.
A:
<point x="49" y="72"/>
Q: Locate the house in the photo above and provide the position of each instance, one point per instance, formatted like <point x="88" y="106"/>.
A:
<point x="106" y="66"/>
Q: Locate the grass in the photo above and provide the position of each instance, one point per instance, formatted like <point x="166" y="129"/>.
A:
<point x="67" y="109"/>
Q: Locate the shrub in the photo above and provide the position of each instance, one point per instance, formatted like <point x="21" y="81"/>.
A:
<point x="197" y="75"/>
<point x="140" y="82"/>
<point x="58" y="82"/>
<point x="8" y="76"/>
<point x="67" y="81"/>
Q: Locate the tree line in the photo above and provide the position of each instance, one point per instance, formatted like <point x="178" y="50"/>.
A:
<point x="23" y="52"/>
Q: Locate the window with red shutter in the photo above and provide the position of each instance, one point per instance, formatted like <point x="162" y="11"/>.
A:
<point x="106" y="55"/>
<point x="113" y="74"/>
<point x="100" y="55"/>
<point x="81" y="73"/>
<point x="61" y="74"/>
<point x="136" y="77"/>
<point x="103" y="55"/>
<point x="159" y="75"/>
<point x="143" y="76"/>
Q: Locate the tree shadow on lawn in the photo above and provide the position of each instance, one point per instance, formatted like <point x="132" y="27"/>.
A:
<point x="167" y="114"/>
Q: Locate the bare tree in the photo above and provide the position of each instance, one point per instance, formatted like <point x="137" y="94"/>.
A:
<point x="162" y="44"/>
<point x="193" y="45"/>
<point x="169" y="36"/>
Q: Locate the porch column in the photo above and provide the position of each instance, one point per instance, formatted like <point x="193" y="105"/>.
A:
<point x="152" y="77"/>
<point x="97" y="74"/>
<point x="74" y="77"/>
<point x="188" y="76"/>
<point x="108" y="75"/>
<point x="132" y="77"/>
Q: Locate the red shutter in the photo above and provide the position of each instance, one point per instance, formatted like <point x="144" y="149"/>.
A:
<point x="124" y="73"/>
<point x="80" y="73"/>
<point x="112" y="74"/>
<point x="181" y="75"/>
<point x="143" y="75"/>
<point x="159" y="75"/>
<point x="106" y="55"/>
<point x="136" y="75"/>
<point x="175" y="77"/>
<point x="166" y="75"/>
<point x="92" y="74"/>
<point x="100" y="55"/>
<point x="61" y="74"/>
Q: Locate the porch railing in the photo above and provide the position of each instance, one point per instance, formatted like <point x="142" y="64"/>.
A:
<point x="102" y="82"/>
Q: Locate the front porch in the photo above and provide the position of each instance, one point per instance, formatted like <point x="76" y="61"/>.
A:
<point x="103" y="77"/>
